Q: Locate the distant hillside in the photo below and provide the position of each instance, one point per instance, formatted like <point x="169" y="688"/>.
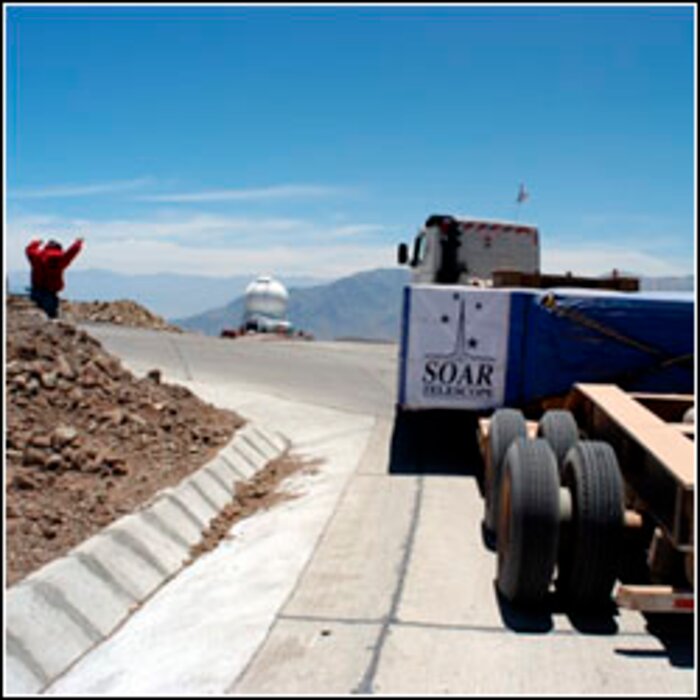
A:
<point x="668" y="284"/>
<point x="364" y="305"/>
<point x="167" y="295"/>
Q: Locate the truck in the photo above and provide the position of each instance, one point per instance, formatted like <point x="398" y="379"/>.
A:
<point x="489" y="253"/>
<point x="450" y="250"/>
<point x="583" y="391"/>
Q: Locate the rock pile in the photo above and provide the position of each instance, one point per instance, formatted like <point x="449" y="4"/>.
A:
<point x="85" y="440"/>
<point x="123" y="312"/>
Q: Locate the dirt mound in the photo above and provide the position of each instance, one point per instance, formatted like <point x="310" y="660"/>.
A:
<point x="87" y="442"/>
<point x="123" y="312"/>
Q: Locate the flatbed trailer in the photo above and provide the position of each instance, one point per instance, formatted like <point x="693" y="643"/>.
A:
<point x="588" y="476"/>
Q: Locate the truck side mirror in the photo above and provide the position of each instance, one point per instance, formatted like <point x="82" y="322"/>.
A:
<point x="403" y="254"/>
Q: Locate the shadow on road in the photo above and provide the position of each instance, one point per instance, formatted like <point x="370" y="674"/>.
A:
<point x="600" y="621"/>
<point x="435" y="442"/>
<point x="444" y="442"/>
<point x="540" y="619"/>
<point x="676" y="633"/>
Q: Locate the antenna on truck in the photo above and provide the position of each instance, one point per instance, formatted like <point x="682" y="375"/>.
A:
<point x="523" y="196"/>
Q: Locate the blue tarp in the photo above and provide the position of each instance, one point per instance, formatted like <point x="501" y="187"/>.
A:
<point x="642" y="342"/>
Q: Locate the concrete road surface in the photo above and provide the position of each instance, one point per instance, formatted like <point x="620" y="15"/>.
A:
<point x="375" y="580"/>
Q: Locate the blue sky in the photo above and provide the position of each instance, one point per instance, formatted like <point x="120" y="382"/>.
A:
<point x="227" y="140"/>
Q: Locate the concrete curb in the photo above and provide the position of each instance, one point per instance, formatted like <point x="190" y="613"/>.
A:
<point x="60" y="612"/>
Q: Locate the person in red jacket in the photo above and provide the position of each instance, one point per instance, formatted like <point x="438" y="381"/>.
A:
<point x="48" y="264"/>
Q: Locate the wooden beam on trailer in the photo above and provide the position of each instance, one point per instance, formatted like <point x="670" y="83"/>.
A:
<point x="671" y="450"/>
<point x="656" y="459"/>
<point x="687" y="429"/>
<point x="538" y="280"/>
<point x="655" y="599"/>
<point x="668" y="407"/>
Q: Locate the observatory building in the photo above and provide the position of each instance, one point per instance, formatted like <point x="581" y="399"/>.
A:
<point x="266" y="302"/>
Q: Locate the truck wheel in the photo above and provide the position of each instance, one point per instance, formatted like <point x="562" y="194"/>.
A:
<point x="559" y="429"/>
<point x="591" y="542"/>
<point x="507" y="424"/>
<point x="528" y="522"/>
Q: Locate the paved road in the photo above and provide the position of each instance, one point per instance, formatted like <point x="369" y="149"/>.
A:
<point x="353" y="377"/>
<point x="397" y="594"/>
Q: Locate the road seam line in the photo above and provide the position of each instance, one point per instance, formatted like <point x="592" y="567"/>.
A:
<point x="230" y="688"/>
<point x="365" y="687"/>
<point x="435" y="626"/>
<point x="184" y="362"/>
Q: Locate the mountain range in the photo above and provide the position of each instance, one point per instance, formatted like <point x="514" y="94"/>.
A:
<point x="364" y="305"/>
<point x="168" y="295"/>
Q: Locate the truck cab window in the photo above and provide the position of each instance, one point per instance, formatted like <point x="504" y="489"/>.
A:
<point x="419" y="246"/>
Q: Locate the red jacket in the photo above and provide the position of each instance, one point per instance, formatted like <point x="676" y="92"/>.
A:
<point x="48" y="264"/>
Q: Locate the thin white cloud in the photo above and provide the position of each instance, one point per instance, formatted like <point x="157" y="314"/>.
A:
<point x="66" y="191"/>
<point x="142" y="257"/>
<point x="211" y="244"/>
<point x="203" y="244"/>
<point x="354" y="230"/>
<point x="629" y="221"/>
<point x="195" y="228"/>
<point x="147" y="257"/>
<point x="249" y="195"/>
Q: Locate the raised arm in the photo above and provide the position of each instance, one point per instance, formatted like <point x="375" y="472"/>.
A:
<point x="72" y="251"/>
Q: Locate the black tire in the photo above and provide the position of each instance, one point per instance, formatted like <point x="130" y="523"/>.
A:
<point x="507" y="424"/>
<point x="591" y="543"/>
<point x="559" y="429"/>
<point x="528" y="525"/>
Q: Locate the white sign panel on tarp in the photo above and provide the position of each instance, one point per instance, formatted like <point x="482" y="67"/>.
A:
<point x="455" y="352"/>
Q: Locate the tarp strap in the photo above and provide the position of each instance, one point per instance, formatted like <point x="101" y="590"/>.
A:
<point x="550" y="302"/>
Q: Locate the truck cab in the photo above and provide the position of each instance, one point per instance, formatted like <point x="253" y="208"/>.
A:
<point x="451" y="250"/>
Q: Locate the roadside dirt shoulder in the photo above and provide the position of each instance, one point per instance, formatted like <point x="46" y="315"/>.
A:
<point x="87" y="442"/>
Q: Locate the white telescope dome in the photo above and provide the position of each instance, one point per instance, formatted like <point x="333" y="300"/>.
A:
<point x="267" y="297"/>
